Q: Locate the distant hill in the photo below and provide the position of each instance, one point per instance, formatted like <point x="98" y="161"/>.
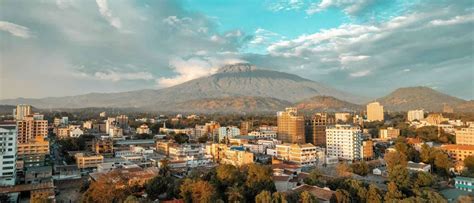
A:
<point x="326" y="103"/>
<point x="230" y="104"/>
<point x="404" y="99"/>
<point x="467" y="106"/>
<point x="237" y="80"/>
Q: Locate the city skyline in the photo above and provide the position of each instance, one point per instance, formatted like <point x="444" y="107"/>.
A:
<point x="63" y="48"/>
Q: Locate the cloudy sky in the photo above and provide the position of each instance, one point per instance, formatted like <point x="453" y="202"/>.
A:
<point x="368" y="47"/>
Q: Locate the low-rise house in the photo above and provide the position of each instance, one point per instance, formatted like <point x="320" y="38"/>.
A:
<point x="323" y="195"/>
<point x="421" y="167"/>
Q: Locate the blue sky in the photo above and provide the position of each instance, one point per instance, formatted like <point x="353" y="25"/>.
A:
<point x="367" y="47"/>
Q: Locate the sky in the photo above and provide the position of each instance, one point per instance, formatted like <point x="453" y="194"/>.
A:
<point x="367" y="47"/>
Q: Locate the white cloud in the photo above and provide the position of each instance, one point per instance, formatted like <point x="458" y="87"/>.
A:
<point x="15" y="30"/>
<point x="107" y="14"/>
<point x="361" y="73"/>
<point x="349" y="6"/>
<point x="118" y="76"/>
<point x="286" y="5"/>
<point x="454" y="20"/>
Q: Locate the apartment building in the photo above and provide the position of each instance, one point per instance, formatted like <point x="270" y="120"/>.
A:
<point x="301" y="154"/>
<point x="84" y="161"/>
<point x="8" y="153"/>
<point x="315" y="128"/>
<point x="375" y="112"/>
<point x="465" y="136"/>
<point x="344" y="142"/>
<point x="290" y="126"/>
<point x="29" y="128"/>
<point x="389" y="133"/>
<point x="415" y="115"/>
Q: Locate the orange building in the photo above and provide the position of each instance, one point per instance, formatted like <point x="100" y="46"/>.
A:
<point x="290" y="126"/>
<point x="29" y="128"/>
<point x="458" y="152"/>
<point x="38" y="146"/>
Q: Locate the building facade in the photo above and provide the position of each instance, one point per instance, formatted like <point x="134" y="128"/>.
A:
<point x="389" y="133"/>
<point x="290" y="126"/>
<point x="8" y="153"/>
<point x="415" y="115"/>
<point x="28" y="129"/>
<point x="315" y="128"/>
<point x="465" y="136"/>
<point x="375" y="112"/>
<point x="21" y="111"/>
<point x="301" y="154"/>
<point x="344" y="142"/>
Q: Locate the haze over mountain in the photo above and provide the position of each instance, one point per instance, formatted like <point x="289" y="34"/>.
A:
<point x="326" y="103"/>
<point x="237" y="80"/>
<point x="404" y="99"/>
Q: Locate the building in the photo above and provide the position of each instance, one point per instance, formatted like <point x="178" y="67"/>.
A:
<point x="87" y="125"/>
<point x="8" y="153"/>
<point x="367" y="149"/>
<point x="28" y="129"/>
<point x="103" y="146"/>
<point x="143" y="129"/>
<point x="226" y="133"/>
<point x="464" y="183"/>
<point x="315" y="128"/>
<point x="342" y="117"/>
<point x="76" y="132"/>
<point x="418" y="167"/>
<point x="435" y="118"/>
<point x="323" y="195"/>
<point x="263" y="134"/>
<point x="65" y="120"/>
<point x="236" y="156"/>
<point x="290" y="126"/>
<point x="103" y="114"/>
<point x="39" y="146"/>
<point x="389" y="133"/>
<point x="122" y="121"/>
<point x="301" y="154"/>
<point x="344" y="142"/>
<point x="458" y="152"/>
<point x="465" y="136"/>
<point x="56" y="122"/>
<point x="416" y="115"/>
<point x="246" y="127"/>
<point x="109" y="124"/>
<point x="84" y="161"/>
<point x="115" y="131"/>
<point x="21" y="111"/>
<point x="62" y="132"/>
<point x="375" y="112"/>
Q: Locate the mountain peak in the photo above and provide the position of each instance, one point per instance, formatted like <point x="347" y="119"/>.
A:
<point x="237" y="68"/>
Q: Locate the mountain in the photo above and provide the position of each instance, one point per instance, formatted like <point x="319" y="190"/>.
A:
<point x="326" y="103"/>
<point x="467" y="106"/>
<point x="404" y="99"/>
<point x="231" y="104"/>
<point x="237" y="80"/>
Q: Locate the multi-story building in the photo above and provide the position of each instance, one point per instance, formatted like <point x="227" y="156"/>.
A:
<point x="416" y="115"/>
<point x="342" y="117"/>
<point x="56" y="122"/>
<point x="62" y="132"/>
<point x="115" y="132"/>
<point x="246" y="127"/>
<point x="38" y="146"/>
<point x="458" y="152"/>
<point x="228" y="132"/>
<point x="21" y="111"/>
<point x="375" y="112"/>
<point x="389" y="133"/>
<point x="234" y="155"/>
<point x="301" y="154"/>
<point x="65" y="120"/>
<point x="87" y="125"/>
<point x="290" y="126"/>
<point x="109" y="124"/>
<point x="84" y="161"/>
<point x="103" y="146"/>
<point x="8" y="153"/>
<point x="465" y="136"/>
<point x="367" y="149"/>
<point x="315" y="128"/>
<point x="28" y="129"/>
<point x="143" y="129"/>
<point x="344" y="141"/>
<point x="435" y="118"/>
<point x="122" y="121"/>
<point x="464" y="183"/>
<point x="163" y="147"/>
<point x="263" y="134"/>
<point x="76" y="132"/>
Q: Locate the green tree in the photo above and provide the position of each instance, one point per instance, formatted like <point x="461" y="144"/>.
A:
<point x="373" y="194"/>
<point x="131" y="199"/>
<point x="395" y="158"/>
<point x="306" y="197"/>
<point x="400" y="176"/>
<point x="469" y="163"/>
<point x="202" y="191"/>
<point x="343" y="169"/>
<point x="393" y="193"/>
<point x="360" y="168"/>
<point x="263" y="197"/>
<point x="234" y="194"/>
<point x="279" y="197"/>
<point x="425" y="153"/>
<point x="314" y="178"/>
<point x="161" y="185"/>
<point x="423" y="179"/>
<point x="259" y="178"/>
<point x="442" y="162"/>
<point x="186" y="190"/>
<point x="228" y="174"/>
<point x="341" y="196"/>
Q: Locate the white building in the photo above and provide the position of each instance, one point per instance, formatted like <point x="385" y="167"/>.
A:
<point x="8" y="152"/>
<point x="301" y="154"/>
<point x="416" y="115"/>
<point x="143" y="129"/>
<point x="263" y="134"/>
<point x="21" y="111"/>
<point x="76" y="132"/>
<point x="228" y="132"/>
<point x="65" y="120"/>
<point x="344" y="141"/>
<point x="115" y="132"/>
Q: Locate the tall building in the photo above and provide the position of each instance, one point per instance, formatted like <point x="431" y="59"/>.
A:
<point x="228" y="132"/>
<point x="21" y="111"/>
<point x="28" y="129"/>
<point x="367" y="149"/>
<point x="122" y="121"/>
<point x="246" y="127"/>
<point x="465" y="136"/>
<point x="315" y="128"/>
<point x="344" y="141"/>
<point x="389" y="133"/>
<point x="109" y="124"/>
<point x="290" y="126"/>
<point x="416" y="115"/>
<point x="342" y="117"/>
<point x="8" y="155"/>
<point x="375" y="112"/>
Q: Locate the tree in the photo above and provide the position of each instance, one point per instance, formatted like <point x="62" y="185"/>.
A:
<point x="228" y="174"/>
<point x="469" y="163"/>
<point x="131" y="199"/>
<point x="110" y="187"/>
<point x="343" y="169"/>
<point x="234" y="194"/>
<point x="400" y="176"/>
<point x="432" y="196"/>
<point x="425" y="153"/>
<point x="373" y="194"/>
<point x="181" y="138"/>
<point x="360" y="168"/>
<point x="306" y="197"/>
<point x="263" y="197"/>
<point x="393" y="193"/>
<point x="258" y="178"/>
<point x="423" y="179"/>
<point x="279" y="197"/>
<point x="357" y="189"/>
<point x="161" y="186"/>
<point x="186" y="190"/>
<point x="465" y="199"/>
<point x="442" y="162"/>
<point x="314" y="178"/>
<point x="341" y="196"/>
<point x="203" y="139"/>
<point x="395" y="158"/>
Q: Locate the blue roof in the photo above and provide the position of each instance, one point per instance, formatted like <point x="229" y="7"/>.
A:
<point x="238" y="148"/>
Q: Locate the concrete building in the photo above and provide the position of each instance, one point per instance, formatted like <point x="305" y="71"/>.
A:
<point x="375" y="112"/>
<point x="226" y="133"/>
<point x="342" y="117"/>
<point x="8" y="153"/>
<point x="234" y="155"/>
<point x="301" y="154"/>
<point x="246" y="127"/>
<point x="435" y="118"/>
<point x="65" y="120"/>
<point x="263" y="134"/>
<point x="389" y="133"/>
<point x="122" y="121"/>
<point x="28" y="129"/>
<point x="315" y="128"/>
<point x="367" y="149"/>
<point x="62" y="132"/>
<point x="21" y="111"/>
<point x="415" y="115"/>
<point x="418" y="167"/>
<point x="87" y="125"/>
<point x="465" y="136"/>
<point x="464" y="183"/>
<point x="39" y="146"/>
<point x="458" y="152"/>
<point x="84" y="161"/>
<point x="290" y="126"/>
<point x="344" y="142"/>
<point x="103" y="146"/>
<point x="116" y="132"/>
<point x="76" y="132"/>
<point x="143" y="129"/>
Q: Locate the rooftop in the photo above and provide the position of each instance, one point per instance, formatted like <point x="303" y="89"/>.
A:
<point x="457" y="147"/>
<point x="320" y="193"/>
